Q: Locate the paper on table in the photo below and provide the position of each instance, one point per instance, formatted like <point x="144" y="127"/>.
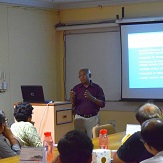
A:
<point x="31" y="154"/>
<point x="132" y="128"/>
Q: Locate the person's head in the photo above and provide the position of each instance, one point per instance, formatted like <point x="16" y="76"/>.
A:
<point x="85" y="75"/>
<point x="75" y="147"/>
<point x="2" y="121"/>
<point x="148" y="111"/>
<point x="152" y="135"/>
<point x="23" y="112"/>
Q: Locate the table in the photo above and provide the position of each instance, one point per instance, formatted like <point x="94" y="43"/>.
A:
<point x="114" y="144"/>
<point x="15" y="159"/>
<point x="114" y="140"/>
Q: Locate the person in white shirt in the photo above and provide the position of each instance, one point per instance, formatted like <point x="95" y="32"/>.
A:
<point x="152" y="137"/>
<point x="24" y="129"/>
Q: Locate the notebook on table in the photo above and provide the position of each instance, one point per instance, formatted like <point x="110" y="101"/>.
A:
<point x="32" y="93"/>
<point x="32" y="155"/>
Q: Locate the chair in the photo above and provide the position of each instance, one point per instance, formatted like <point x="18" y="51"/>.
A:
<point x="79" y="124"/>
<point x="96" y="129"/>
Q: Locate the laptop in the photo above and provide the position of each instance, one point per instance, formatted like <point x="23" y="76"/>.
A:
<point x="32" y="93"/>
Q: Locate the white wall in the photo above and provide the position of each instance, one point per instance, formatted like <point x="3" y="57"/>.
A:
<point x="27" y="52"/>
<point x="99" y="51"/>
<point x="119" y="111"/>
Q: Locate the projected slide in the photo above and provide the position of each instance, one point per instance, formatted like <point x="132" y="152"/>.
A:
<point x="145" y="58"/>
<point x="142" y="61"/>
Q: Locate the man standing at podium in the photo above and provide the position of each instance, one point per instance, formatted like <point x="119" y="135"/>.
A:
<point x="87" y="98"/>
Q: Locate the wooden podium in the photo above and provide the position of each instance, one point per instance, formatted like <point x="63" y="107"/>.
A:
<point x="56" y="118"/>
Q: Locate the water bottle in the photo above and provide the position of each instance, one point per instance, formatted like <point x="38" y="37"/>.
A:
<point x="103" y="139"/>
<point x="48" y="147"/>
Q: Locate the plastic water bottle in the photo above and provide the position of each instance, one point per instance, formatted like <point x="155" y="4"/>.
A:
<point x="48" y="146"/>
<point x="103" y="139"/>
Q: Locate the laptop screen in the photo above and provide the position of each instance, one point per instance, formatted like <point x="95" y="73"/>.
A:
<point x="32" y="93"/>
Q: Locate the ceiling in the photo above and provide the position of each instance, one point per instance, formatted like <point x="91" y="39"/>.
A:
<point x="62" y="4"/>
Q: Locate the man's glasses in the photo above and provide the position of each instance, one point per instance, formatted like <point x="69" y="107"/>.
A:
<point x="142" y="140"/>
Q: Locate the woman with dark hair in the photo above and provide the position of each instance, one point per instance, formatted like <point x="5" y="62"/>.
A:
<point x="23" y="129"/>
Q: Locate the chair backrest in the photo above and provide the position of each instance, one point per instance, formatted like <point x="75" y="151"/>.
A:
<point x="96" y="129"/>
<point x="79" y="124"/>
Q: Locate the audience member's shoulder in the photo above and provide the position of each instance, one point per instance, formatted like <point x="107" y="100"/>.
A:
<point x="28" y="124"/>
<point x="137" y="134"/>
<point x="22" y="123"/>
<point x="134" y="138"/>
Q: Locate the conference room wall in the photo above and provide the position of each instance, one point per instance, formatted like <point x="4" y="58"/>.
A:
<point x="28" y="53"/>
<point x="134" y="10"/>
<point x="118" y="118"/>
<point x="121" y="112"/>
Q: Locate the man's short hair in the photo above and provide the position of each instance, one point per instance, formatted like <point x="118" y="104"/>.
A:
<point x="86" y="70"/>
<point x="152" y="133"/>
<point x="75" y="147"/>
<point x="148" y="111"/>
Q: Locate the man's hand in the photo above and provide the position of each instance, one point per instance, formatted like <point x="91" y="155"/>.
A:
<point x="72" y="96"/>
<point x="88" y="95"/>
<point x="13" y="142"/>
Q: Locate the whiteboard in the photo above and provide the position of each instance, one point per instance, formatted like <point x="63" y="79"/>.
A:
<point x="101" y="53"/>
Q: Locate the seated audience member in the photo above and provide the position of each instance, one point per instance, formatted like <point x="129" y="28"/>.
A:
<point x="7" y="150"/>
<point x="133" y="149"/>
<point x="152" y="137"/>
<point x="74" y="147"/>
<point x="24" y="129"/>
